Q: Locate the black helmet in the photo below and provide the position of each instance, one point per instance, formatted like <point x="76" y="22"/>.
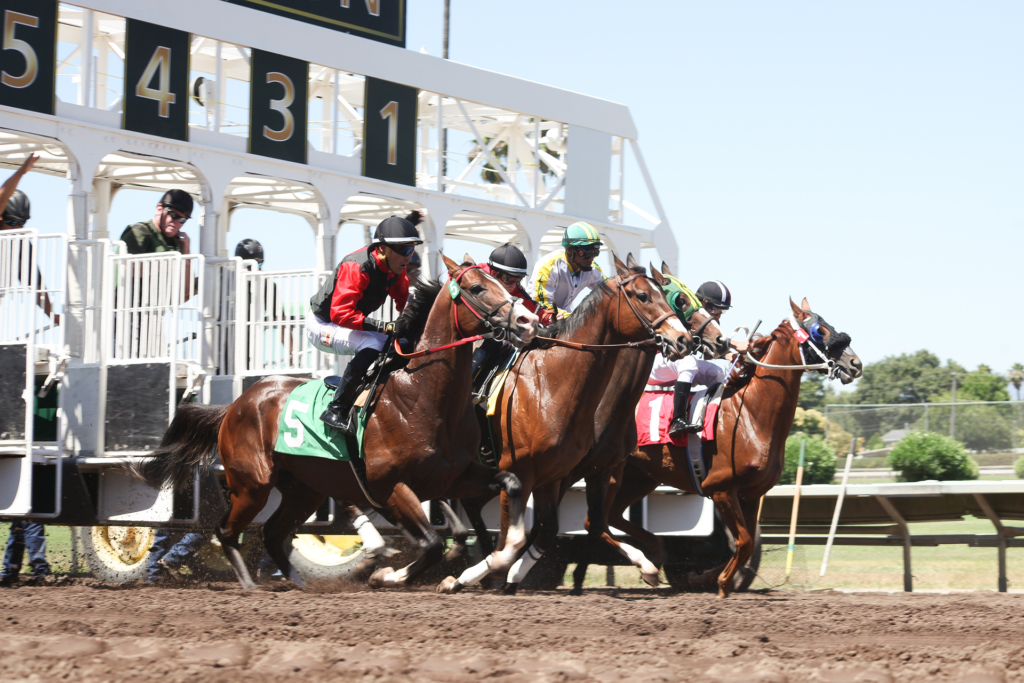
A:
<point x="715" y="293"/>
<point x="395" y="231"/>
<point x="18" y="208"/>
<point x="178" y="200"/>
<point x="508" y="259"/>
<point x="250" y="249"/>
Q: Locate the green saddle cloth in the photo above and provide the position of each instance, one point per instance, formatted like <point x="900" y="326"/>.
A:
<point x="300" y="431"/>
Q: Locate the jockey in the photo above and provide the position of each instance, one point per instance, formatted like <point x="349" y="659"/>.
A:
<point x="562" y="275"/>
<point x="507" y="264"/>
<point x="714" y="297"/>
<point x="337" y="320"/>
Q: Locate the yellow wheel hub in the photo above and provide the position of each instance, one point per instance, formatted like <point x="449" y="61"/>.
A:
<point x="328" y="550"/>
<point x="122" y="546"/>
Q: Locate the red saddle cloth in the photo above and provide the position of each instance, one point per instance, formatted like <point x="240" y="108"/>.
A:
<point x="654" y="414"/>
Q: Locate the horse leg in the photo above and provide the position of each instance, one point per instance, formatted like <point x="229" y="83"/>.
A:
<point x="408" y="511"/>
<point x="545" y="534"/>
<point x="373" y="542"/>
<point x="474" y="511"/>
<point x="634" y="486"/>
<point x="459" y="532"/>
<point x="477" y="480"/>
<point x="246" y="503"/>
<point x="298" y="502"/>
<point x="733" y="515"/>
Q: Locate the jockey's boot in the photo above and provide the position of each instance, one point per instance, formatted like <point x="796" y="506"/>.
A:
<point x="479" y="358"/>
<point x="680" y="412"/>
<point x="338" y="410"/>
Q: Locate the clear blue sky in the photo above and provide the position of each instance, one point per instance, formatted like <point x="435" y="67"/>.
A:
<point x="865" y="155"/>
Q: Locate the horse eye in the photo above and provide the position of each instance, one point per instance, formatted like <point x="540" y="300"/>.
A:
<point x="476" y="289"/>
<point x="642" y="296"/>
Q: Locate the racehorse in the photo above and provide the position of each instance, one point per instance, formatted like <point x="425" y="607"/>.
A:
<point x="544" y="421"/>
<point x="748" y="454"/>
<point x="615" y="431"/>
<point x="420" y="443"/>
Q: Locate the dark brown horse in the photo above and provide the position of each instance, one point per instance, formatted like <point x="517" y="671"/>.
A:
<point x="420" y="443"/>
<point x="544" y="422"/>
<point x="754" y="420"/>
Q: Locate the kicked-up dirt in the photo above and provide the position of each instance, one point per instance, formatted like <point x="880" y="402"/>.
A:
<point x="214" y="632"/>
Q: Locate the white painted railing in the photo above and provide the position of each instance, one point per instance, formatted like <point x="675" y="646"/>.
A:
<point x="33" y="271"/>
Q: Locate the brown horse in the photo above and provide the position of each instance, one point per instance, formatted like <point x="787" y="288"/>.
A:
<point x="748" y="454"/>
<point x="544" y="422"/>
<point x="615" y="428"/>
<point x="420" y="443"/>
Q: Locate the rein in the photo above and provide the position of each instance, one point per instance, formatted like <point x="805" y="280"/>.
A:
<point x="427" y="352"/>
<point x="802" y="337"/>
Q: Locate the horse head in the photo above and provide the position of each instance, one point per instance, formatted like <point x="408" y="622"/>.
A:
<point x="487" y="304"/>
<point x="653" y="314"/>
<point x="827" y="342"/>
<point x="687" y="307"/>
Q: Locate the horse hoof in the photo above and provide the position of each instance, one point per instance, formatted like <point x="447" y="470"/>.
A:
<point x="510" y="588"/>
<point x="576" y="590"/>
<point x="650" y="579"/>
<point x="379" y="578"/>
<point x="449" y="586"/>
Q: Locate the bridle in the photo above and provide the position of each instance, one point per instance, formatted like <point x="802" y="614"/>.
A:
<point x="803" y="337"/>
<point x="477" y="308"/>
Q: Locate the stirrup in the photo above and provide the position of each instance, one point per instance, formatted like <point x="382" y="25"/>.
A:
<point x="681" y="426"/>
<point x="338" y="417"/>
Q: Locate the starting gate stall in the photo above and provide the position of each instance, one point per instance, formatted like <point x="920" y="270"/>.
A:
<point x="339" y="125"/>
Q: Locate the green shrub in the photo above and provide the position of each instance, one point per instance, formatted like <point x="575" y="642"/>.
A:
<point x="875" y="442"/>
<point x="927" y="455"/>
<point x="819" y="460"/>
<point x="1018" y="468"/>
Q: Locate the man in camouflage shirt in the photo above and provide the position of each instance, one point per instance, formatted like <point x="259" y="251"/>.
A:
<point x="163" y="232"/>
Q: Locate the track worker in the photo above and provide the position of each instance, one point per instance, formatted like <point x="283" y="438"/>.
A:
<point x="162" y="232"/>
<point x="507" y="264"/>
<point x="686" y="372"/>
<point x="337" y="319"/>
<point x="561" y="276"/>
<point x="15" y="212"/>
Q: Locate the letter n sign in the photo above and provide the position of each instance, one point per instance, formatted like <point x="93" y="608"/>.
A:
<point x="277" y="106"/>
<point x="389" y="132"/>
<point x="156" y="80"/>
<point x="29" y="55"/>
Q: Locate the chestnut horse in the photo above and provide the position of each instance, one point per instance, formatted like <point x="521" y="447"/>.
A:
<point x="544" y="422"/>
<point x="615" y="430"/>
<point x="755" y="417"/>
<point x="420" y="443"/>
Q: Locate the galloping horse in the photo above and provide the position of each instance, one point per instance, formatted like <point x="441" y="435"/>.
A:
<point x="615" y="431"/>
<point x="755" y="417"/>
<point x="544" y="422"/>
<point x="420" y="443"/>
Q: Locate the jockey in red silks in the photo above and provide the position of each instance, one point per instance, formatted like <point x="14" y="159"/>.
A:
<point x="338" y="317"/>
<point x="507" y="264"/>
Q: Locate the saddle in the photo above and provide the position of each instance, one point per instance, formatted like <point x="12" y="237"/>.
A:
<point x="488" y="380"/>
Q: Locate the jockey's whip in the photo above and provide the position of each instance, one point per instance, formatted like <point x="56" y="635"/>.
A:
<point x="732" y="367"/>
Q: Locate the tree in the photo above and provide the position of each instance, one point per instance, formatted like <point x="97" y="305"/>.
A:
<point x="819" y="460"/>
<point x="979" y="427"/>
<point x="907" y="378"/>
<point x="815" y="391"/>
<point x="1016" y="377"/>
<point x="927" y="455"/>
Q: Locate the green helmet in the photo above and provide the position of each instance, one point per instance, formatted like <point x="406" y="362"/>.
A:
<point x="580" y="234"/>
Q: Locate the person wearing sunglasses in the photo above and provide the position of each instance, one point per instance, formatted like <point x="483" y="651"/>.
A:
<point x="338" y="318"/>
<point x="715" y="298"/>
<point x="162" y="232"/>
<point x="561" y="276"/>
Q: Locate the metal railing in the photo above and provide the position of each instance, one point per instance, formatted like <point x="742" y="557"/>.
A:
<point x="33" y="270"/>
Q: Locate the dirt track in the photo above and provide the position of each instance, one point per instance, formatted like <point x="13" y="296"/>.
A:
<point x="93" y="632"/>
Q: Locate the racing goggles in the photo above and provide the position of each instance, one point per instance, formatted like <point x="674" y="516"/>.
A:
<point x="403" y="249"/>
<point x="590" y="251"/>
<point x="15" y="223"/>
<point x="510" y="280"/>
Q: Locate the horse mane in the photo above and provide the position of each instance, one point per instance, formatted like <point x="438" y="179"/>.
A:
<point x="567" y="327"/>
<point x="411" y="323"/>
<point x="744" y="371"/>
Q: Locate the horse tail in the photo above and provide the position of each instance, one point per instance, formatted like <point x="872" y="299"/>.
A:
<point x="190" y="442"/>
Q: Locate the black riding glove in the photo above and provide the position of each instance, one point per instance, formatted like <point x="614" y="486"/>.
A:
<point x="372" y="325"/>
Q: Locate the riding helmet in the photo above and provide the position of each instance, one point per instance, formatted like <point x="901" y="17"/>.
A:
<point x="178" y="200"/>
<point x="507" y="258"/>
<point x="18" y="207"/>
<point x="580" y="234"/>
<point x="395" y="230"/>
<point x="250" y="249"/>
<point x="715" y="293"/>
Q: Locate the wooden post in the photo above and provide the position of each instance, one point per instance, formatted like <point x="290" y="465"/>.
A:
<point x="796" y="508"/>
<point x="839" y="507"/>
<point x="908" y="577"/>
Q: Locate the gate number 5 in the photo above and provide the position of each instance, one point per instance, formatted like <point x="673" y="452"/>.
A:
<point x="294" y="441"/>
<point x="11" y="21"/>
<point x="390" y="114"/>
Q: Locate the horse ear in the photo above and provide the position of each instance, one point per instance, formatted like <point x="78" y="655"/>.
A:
<point x="631" y="262"/>
<point x="452" y="266"/>
<point x="799" y="313"/>
<point x="658" y="277"/>
<point x="805" y="305"/>
<point x="620" y="267"/>
<point x="665" y="270"/>
<point x="467" y="259"/>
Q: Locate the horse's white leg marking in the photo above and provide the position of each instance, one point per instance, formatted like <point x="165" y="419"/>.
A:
<point x="523" y="565"/>
<point x="472" y="576"/>
<point x="373" y="543"/>
<point x="396" y="578"/>
<point x="647" y="569"/>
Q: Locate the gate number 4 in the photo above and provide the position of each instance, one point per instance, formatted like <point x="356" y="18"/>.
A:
<point x="161" y="60"/>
